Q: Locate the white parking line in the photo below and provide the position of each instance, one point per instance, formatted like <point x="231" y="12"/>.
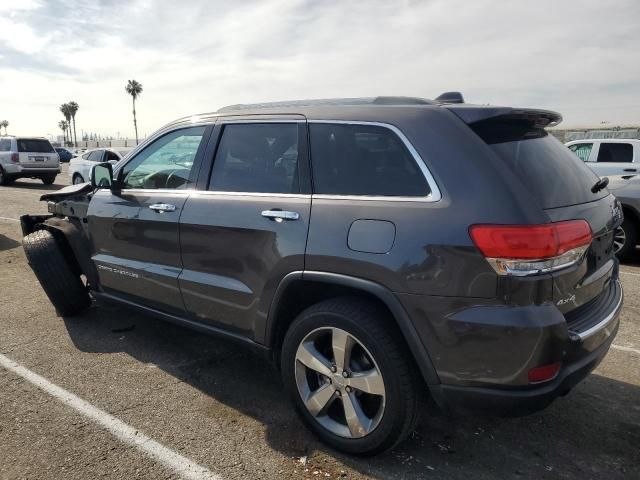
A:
<point x="626" y="349"/>
<point x="184" y="467"/>
<point x="630" y="273"/>
<point x="9" y="219"/>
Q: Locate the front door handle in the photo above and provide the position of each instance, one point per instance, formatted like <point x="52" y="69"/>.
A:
<point x="163" y="207"/>
<point x="630" y="170"/>
<point x="280" y="215"/>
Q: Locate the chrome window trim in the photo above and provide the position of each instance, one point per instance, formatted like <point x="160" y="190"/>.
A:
<point x="252" y="194"/>
<point x="435" y="194"/>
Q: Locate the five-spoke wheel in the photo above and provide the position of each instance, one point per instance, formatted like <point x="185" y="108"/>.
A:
<point x="345" y="365"/>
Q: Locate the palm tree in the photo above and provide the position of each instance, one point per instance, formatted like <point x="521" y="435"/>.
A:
<point x="63" y="126"/>
<point x="66" y="111"/>
<point x="134" y="89"/>
<point x="4" y="124"/>
<point x="73" y="108"/>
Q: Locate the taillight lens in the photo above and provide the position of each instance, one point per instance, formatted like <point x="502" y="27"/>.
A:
<point x="531" y="249"/>
<point x="15" y="157"/>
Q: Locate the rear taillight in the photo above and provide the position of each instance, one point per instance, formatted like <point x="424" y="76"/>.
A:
<point x="15" y="157"/>
<point x="530" y="249"/>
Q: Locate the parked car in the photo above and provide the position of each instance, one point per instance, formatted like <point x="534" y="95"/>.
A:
<point x="627" y="190"/>
<point x="608" y="156"/>
<point x="27" y="157"/>
<point x="375" y="249"/>
<point x="80" y="166"/>
<point x="64" y="154"/>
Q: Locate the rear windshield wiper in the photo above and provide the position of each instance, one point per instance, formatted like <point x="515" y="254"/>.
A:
<point x="600" y="184"/>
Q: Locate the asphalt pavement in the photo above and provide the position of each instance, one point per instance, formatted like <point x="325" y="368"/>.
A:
<point x="115" y="394"/>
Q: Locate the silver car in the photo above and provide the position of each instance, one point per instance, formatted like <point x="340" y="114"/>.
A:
<point x="627" y="191"/>
<point x="28" y="157"/>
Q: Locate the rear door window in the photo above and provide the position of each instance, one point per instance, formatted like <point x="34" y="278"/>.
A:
<point x="257" y="157"/>
<point x="363" y="160"/>
<point x="548" y="169"/>
<point x="111" y="156"/>
<point x="582" y="150"/>
<point x="615" y="153"/>
<point x="35" y="146"/>
<point x="95" y="156"/>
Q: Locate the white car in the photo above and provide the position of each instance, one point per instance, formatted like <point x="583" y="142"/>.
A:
<point x="608" y="156"/>
<point x="27" y="157"/>
<point x="80" y="167"/>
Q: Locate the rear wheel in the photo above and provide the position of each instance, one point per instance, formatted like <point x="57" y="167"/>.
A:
<point x="48" y="180"/>
<point x="4" y="180"/>
<point x="349" y="376"/>
<point x="625" y="239"/>
<point x="77" y="178"/>
<point x="63" y="287"/>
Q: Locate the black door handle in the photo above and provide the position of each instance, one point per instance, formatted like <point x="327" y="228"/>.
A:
<point x="630" y="170"/>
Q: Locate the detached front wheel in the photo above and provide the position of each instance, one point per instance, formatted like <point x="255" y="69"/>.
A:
<point x="349" y="376"/>
<point x="61" y="284"/>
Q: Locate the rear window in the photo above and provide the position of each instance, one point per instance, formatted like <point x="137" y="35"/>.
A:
<point x="549" y="170"/>
<point x="35" y="146"/>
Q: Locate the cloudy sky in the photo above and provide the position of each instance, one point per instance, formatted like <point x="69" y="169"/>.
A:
<point x="580" y="57"/>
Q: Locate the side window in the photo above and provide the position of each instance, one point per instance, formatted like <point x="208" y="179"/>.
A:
<point x="257" y="157"/>
<point x="166" y="162"/>
<point x="353" y="159"/>
<point x="111" y="156"/>
<point x="85" y="156"/>
<point x="5" y="145"/>
<point x="615" y="152"/>
<point x="95" y="156"/>
<point x="582" y="150"/>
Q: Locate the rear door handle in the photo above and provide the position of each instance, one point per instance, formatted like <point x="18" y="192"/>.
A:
<point x="280" y="215"/>
<point x="163" y="207"/>
<point x="630" y="170"/>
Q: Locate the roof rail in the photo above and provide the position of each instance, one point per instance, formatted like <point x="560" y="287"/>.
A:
<point x="331" y="102"/>
<point x="450" y="97"/>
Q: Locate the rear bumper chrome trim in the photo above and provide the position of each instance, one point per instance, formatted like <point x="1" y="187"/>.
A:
<point x="605" y="321"/>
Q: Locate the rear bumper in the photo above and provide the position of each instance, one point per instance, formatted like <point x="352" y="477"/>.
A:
<point x="483" y="353"/>
<point x="17" y="170"/>
<point x="514" y="402"/>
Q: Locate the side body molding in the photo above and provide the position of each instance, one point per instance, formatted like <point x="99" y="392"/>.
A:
<point x="385" y="295"/>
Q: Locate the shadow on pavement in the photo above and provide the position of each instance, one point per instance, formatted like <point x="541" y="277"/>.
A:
<point x="7" y="243"/>
<point x="36" y="184"/>
<point x="594" y="432"/>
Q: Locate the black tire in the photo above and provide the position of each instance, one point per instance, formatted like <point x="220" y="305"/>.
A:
<point x="48" y="180"/>
<point x="77" y="178"/>
<point x="628" y="249"/>
<point x="363" y="321"/>
<point x="63" y="287"/>
<point x="4" y="180"/>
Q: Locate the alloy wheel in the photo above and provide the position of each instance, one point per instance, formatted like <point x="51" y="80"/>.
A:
<point x="619" y="239"/>
<point x="339" y="382"/>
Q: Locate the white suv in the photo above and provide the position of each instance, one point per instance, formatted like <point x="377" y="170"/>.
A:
<point x="28" y="157"/>
<point x="608" y="156"/>
<point x="80" y="166"/>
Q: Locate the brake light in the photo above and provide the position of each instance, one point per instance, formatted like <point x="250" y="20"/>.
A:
<point x="15" y="157"/>
<point x="531" y="249"/>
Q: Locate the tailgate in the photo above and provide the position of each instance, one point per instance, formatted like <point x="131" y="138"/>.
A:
<point x="37" y="153"/>
<point x="590" y="277"/>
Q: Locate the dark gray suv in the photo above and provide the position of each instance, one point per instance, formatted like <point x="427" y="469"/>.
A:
<point x="381" y="251"/>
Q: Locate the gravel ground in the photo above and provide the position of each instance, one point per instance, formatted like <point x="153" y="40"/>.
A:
<point x="223" y="407"/>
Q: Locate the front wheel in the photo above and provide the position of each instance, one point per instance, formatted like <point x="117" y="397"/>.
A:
<point x="77" y="179"/>
<point x="349" y="376"/>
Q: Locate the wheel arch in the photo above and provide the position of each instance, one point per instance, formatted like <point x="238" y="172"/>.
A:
<point x="299" y="290"/>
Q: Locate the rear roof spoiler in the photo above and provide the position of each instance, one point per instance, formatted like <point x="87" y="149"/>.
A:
<point x="475" y="113"/>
